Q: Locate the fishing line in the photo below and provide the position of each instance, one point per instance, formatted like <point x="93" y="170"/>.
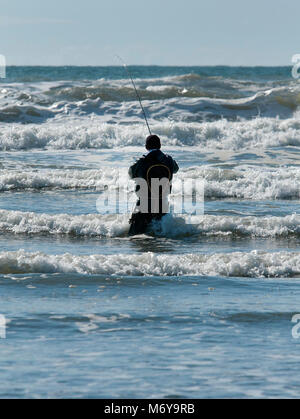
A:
<point x="137" y="93"/>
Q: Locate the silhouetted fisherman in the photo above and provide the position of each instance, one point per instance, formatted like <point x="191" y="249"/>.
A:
<point x="153" y="174"/>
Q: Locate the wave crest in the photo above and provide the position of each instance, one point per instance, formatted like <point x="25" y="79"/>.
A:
<point x="91" y="134"/>
<point x="111" y="225"/>
<point x="247" y="183"/>
<point x="238" y="264"/>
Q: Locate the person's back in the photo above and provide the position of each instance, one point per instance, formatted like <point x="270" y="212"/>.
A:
<point x="155" y="172"/>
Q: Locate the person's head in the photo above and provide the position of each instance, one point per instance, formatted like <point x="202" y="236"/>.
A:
<point x="153" y="142"/>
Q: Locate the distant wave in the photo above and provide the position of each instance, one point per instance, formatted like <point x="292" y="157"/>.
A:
<point x="96" y="225"/>
<point x="238" y="264"/>
<point x="24" y="113"/>
<point x="189" y="98"/>
<point x="188" y="85"/>
<point x="65" y="73"/>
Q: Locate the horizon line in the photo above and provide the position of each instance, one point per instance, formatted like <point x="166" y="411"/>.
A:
<point x="151" y="65"/>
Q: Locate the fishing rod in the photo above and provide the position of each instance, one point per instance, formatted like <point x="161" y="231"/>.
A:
<point x="137" y="93"/>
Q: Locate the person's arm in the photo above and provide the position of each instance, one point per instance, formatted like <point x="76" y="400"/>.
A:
<point x="133" y="170"/>
<point x="175" y="167"/>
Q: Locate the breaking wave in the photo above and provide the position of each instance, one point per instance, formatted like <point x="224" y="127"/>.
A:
<point x="218" y="135"/>
<point x="245" y="183"/>
<point x="11" y="180"/>
<point x="187" y="98"/>
<point x="253" y="264"/>
<point x="93" y="225"/>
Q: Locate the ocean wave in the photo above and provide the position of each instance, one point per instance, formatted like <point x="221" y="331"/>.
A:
<point x="238" y="264"/>
<point x="116" y="225"/>
<point x="228" y="226"/>
<point x="20" y="179"/>
<point x="24" y="113"/>
<point x="188" y="98"/>
<point x="91" y="225"/>
<point x="126" y="93"/>
<point x="84" y="133"/>
<point x="188" y="85"/>
<point x="251" y="183"/>
<point x="64" y="73"/>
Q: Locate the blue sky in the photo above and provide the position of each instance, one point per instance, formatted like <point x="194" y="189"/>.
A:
<point x="162" y="32"/>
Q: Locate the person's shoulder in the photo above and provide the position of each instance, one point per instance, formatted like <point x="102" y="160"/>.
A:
<point x="168" y="157"/>
<point x="140" y="159"/>
<point x="138" y="164"/>
<point x="135" y="168"/>
<point x="171" y="163"/>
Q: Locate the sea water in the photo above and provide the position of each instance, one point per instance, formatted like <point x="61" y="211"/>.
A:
<point x="187" y="310"/>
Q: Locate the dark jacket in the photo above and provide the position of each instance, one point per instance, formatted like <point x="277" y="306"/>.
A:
<point x="140" y="168"/>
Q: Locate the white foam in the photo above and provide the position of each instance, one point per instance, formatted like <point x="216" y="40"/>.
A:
<point x="81" y="133"/>
<point x="214" y="225"/>
<point x="92" y="225"/>
<point x="255" y="183"/>
<point x="60" y="179"/>
<point x="237" y="264"/>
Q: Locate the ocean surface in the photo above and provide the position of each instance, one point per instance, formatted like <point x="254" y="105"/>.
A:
<point x="187" y="310"/>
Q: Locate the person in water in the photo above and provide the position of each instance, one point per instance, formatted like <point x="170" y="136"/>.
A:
<point x="153" y="174"/>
